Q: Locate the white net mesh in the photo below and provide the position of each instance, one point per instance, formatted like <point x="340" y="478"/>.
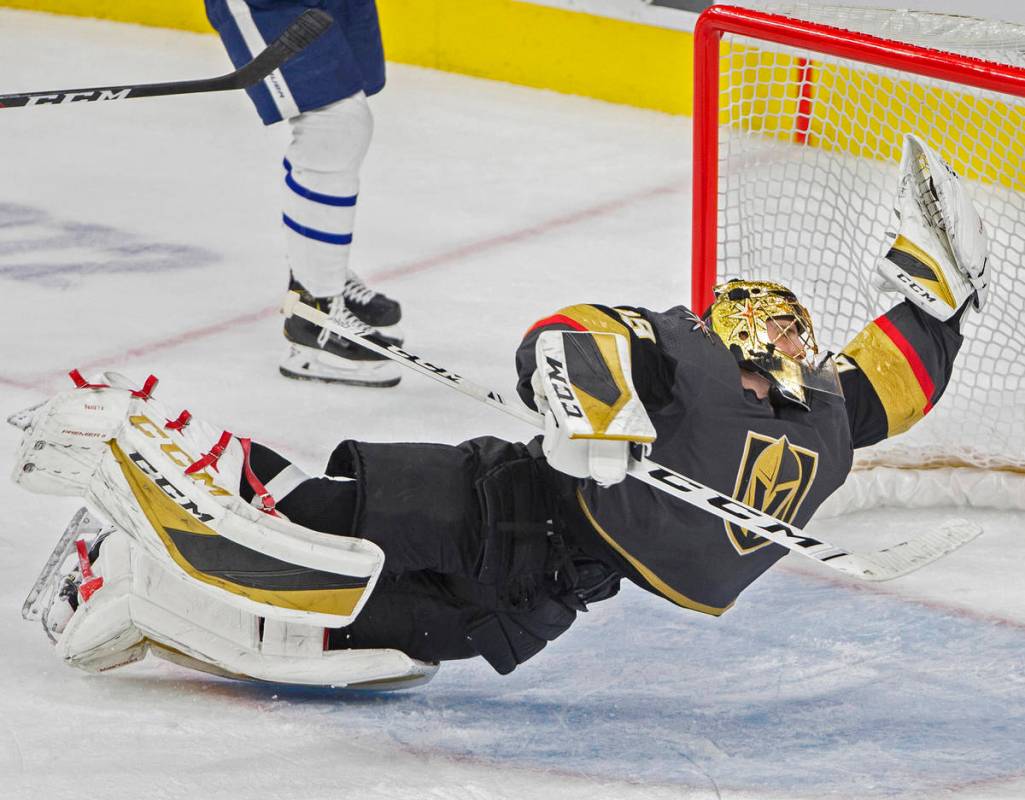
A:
<point x="806" y="191"/>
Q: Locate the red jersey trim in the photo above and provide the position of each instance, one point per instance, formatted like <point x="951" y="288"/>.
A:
<point x="914" y="361"/>
<point x="556" y="319"/>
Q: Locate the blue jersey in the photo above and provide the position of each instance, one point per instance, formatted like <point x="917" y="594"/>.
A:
<point x="347" y="59"/>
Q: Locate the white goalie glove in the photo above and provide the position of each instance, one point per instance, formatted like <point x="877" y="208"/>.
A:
<point x="584" y="388"/>
<point x="939" y="257"/>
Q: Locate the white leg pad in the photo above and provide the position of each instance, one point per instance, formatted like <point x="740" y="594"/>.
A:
<point x="143" y="605"/>
<point x="116" y="451"/>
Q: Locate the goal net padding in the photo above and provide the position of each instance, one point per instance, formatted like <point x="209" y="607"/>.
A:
<point x="800" y="116"/>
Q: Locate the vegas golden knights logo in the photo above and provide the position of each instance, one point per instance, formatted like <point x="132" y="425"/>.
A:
<point x="775" y="476"/>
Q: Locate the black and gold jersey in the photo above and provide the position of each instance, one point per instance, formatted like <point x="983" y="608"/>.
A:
<point x="781" y="458"/>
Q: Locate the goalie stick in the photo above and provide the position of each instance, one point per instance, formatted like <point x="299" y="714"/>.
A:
<point x="299" y="35"/>
<point x="878" y="565"/>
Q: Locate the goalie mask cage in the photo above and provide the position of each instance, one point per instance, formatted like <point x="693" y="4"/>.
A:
<point x="799" y="118"/>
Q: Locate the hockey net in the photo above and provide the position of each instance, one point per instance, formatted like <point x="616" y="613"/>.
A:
<point x="800" y="114"/>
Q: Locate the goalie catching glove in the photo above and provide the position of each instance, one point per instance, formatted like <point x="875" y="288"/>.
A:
<point x="938" y="259"/>
<point x="584" y="388"/>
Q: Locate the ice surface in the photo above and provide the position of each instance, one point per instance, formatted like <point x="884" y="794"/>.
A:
<point x="142" y="236"/>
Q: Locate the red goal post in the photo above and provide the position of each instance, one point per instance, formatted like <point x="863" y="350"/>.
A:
<point x="817" y="38"/>
<point x="799" y="118"/>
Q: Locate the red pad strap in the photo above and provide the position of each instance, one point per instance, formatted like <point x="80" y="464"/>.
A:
<point x="144" y="393"/>
<point x="179" y="423"/>
<point x="147" y="388"/>
<point x="90" y="582"/>
<point x="210" y="459"/>
<point x="266" y="500"/>
<point x="82" y="383"/>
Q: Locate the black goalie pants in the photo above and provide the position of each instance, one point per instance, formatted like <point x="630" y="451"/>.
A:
<point x="475" y="563"/>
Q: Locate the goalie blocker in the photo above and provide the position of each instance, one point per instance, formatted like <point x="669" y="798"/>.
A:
<point x="584" y="388"/>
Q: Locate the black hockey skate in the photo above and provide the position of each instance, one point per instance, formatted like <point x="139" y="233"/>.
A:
<point x="373" y="308"/>
<point x="316" y="354"/>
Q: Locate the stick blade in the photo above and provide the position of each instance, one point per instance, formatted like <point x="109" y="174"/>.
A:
<point x="907" y="557"/>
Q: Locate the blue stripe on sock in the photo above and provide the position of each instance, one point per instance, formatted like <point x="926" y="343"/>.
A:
<point x="320" y="236"/>
<point x="287" y="165"/>
<point x="317" y="197"/>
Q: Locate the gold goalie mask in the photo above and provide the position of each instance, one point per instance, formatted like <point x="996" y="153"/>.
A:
<point x="771" y="333"/>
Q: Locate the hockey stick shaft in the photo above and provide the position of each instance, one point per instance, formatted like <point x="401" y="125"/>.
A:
<point x="299" y="35"/>
<point x="891" y="562"/>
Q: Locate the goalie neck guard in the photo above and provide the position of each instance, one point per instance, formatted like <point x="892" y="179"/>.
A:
<point x="769" y="332"/>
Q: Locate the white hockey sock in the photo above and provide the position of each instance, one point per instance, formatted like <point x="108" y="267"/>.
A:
<point x="321" y="185"/>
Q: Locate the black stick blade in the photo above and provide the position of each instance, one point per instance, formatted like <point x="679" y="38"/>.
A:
<point x="300" y="34"/>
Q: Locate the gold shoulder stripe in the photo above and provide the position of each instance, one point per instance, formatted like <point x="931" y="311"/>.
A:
<point x="654" y="580"/>
<point x="594" y="319"/>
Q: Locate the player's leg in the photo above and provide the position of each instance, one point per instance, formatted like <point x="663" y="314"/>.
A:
<point x="433" y="617"/>
<point x="322" y="93"/>
<point x="358" y="21"/>
<point x="429" y="507"/>
<point x="482" y="514"/>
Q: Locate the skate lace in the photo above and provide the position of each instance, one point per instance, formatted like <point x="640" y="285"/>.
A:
<point x="340" y="314"/>
<point x="357" y="291"/>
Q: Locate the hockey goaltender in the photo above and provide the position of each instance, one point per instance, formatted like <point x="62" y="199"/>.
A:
<point x="214" y="551"/>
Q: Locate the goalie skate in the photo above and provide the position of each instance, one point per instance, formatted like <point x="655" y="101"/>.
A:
<point x="56" y="593"/>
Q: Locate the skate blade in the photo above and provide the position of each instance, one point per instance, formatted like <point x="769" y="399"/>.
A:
<point x="81" y="523"/>
<point x="304" y="376"/>
<point x="307" y="363"/>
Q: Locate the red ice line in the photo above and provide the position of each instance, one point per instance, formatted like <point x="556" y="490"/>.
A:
<point x="934" y="605"/>
<point x="40" y="382"/>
